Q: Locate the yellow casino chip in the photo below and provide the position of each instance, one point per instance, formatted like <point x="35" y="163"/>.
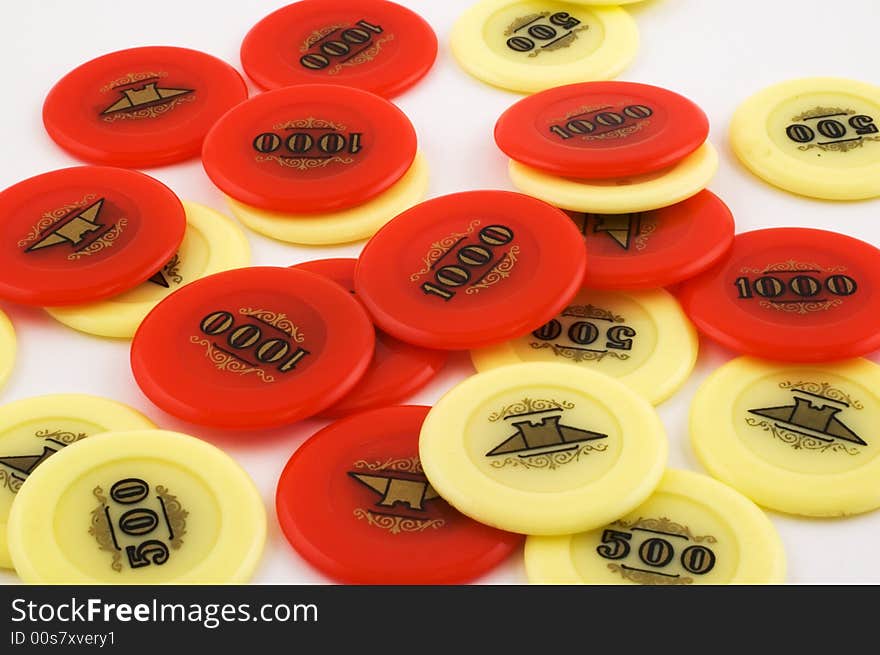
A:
<point x="8" y="348"/>
<point x="543" y="448"/>
<point x="342" y="226"/>
<point x="692" y="530"/>
<point x="643" y="338"/>
<point x="138" y="507"/>
<point x="797" y="438"/>
<point x="532" y="45"/>
<point x="620" y="196"/>
<point x="212" y="243"/>
<point x="34" y="429"/>
<point x="817" y="137"/>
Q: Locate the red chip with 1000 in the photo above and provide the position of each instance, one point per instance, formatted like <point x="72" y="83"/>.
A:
<point x="313" y="148"/>
<point x="791" y="294"/>
<point x="78" y="235"/>
<point x="600" y="130"/>
<point x="252" y="348"/>
<point x="373" y="45"/>
<point x="354" y="502"/>
<point x="471" y="269"/>
<point x="398" y="369"/>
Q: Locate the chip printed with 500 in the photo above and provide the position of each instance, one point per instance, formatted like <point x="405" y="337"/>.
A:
<point x="692" y="530"/>
<point x="137" y="507"/>
<point x="252" y="348"/>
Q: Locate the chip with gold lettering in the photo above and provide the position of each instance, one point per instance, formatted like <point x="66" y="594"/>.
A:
<point x="252" y="348"/>
<point x="792" y="294"/>
<point x="137" y="507"/>
<point x="646" y="250"/>
<point x="600" y="130"/>
<point x="34" y="429"/>
<point x="642" y="338"/>
<point x="470" y="269"/>
<point x="212" y="243"/>
<point x="313" y="148"/>
<point x="543" y="448"/>
<point x="532" y="45"/>
<point x="373" y="45"/>
<point x="692" y="530"/>
<point x="141" y="107"/>
<point x="817" y="137"/>
<point x="354" y="502"/>
<point x="82" y="234"/>
<point x="797" y="438"/>
<point x="398" y="369"/>
<point x="8" y="348"/>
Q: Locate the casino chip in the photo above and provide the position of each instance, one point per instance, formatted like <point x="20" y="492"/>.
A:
<point x="137" y="507"/>
<point x="792" y="294"/>
<point x="309" y="149"/>
<point x="692" y="530"/>
<point x="532" y="45"/>
<point x="530" y="448"/>
<point x="354" y="502"/>
<point x="639" y="193"/>
<point x="817" y="137"/>
<point x="602" y="130"/>
<point x="646" y="250"/>
<point x="470" y="269"/>
<point x="373" y="45"/>
<point x="252" y="348"/>
<point x="343" y="226"/>
<point x="7" y="348"/>
<point x="642" y="338"/>
<point x="797" y="438"/>
<point x="78" y="235"/>
<point x="141" y="107"/>
<point x="212" y="243"/>
<point x="34" y="429"/>
<point x="398" y="369"/>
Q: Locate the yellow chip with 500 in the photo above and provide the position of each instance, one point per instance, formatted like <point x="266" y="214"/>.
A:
<point x="640" y="337"/>
<point x="692" y="530"/>
<point x="34" y="429"/>
<point x="138" y="507"/>
<point x="543" y="448"/>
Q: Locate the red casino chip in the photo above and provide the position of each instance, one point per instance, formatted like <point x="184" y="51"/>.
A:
<point x="252" y="348"/>
<point x="309" y="149"/>
<point x="398" y="369"/>
<point x="141" y="107"/>
<point x="354" y="502"/>
<point x="372" y="45"/>
<point x="602" y="130"/>
<point x="82" y="234"/>
<point x="471" y="269"/>
<point x="645" y="250"/>
<point x="791" y="294"/>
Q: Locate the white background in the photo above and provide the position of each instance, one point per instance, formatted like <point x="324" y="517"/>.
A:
<point x="717" y="52"/>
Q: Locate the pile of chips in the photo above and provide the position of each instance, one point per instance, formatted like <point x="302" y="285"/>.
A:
<point x="579" y="300"/>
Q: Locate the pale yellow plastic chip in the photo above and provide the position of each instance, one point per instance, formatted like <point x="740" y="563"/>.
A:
<point x="692" y="530"/>
<point x="212" y="243"/>
<point x="139" y="507"/>
<point x="532" y="45"/>
<point x="800" y="439"/>
<point x="8" y="348"/>
<point x="621" y="196"/>
<point x="543" y="448"/>
<point x="344" y="226"/>
<point x="35" y="429"/>
<point x="642" y="338"/>
<point x="817" y="137"/>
